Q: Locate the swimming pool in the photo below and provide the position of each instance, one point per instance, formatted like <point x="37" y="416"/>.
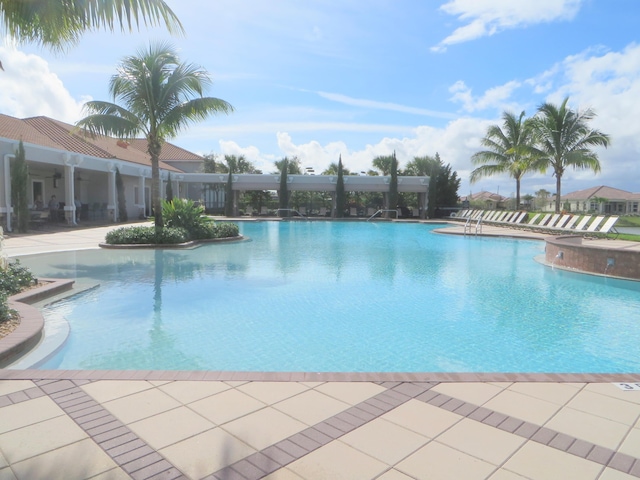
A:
<point x="343" y="296"/>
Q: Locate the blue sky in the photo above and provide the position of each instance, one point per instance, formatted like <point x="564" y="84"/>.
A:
<point x="323" y="78"/>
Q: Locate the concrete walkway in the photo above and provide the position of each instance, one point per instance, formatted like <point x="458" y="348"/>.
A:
<point x="165" y="425"/>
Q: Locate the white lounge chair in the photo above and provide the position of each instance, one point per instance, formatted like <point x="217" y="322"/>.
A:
<point x="572" y="221"/>
<point x="533" y="219"/>
<point x="518" y="218"/>
<point x="582" y="223"/>
<point x="608" y="226"/>
<point x="561" y="222"/>
<point x="594" y="225"/>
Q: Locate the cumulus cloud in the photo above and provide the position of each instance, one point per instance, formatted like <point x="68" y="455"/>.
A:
<point x="488" y="17"/>
<point x="455" y="143"/>
<point x="496" y="97"/>
<point x="29" y="88"/>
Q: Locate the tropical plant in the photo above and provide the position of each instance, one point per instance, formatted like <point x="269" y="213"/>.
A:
<point x="564" y="140"/>
<point x="211" y="164"/>
<point x="508" y="150"/>
<point x="292" y="164"/>
<point x="19" y="197"/>
<point x="332" y="169"/>
<point x="184" y="213"/>
<point x="58" y="24"/>
<point x="383" y="163"/>
<point x="341" y="199"/>
<point x="161" y="96"/>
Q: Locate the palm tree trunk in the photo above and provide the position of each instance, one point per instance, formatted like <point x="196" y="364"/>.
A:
<point x="154" y="148"/>
<point x="558" y="192"/>
<point x="517" y="194"/>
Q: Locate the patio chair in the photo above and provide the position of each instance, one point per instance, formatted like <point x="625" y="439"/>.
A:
<point x="594" y="225"/>
<point x="533" y="219"/>
<point x="608" y="227"/>
<point x="518" y="218"/>
<point x="582" y="223"/>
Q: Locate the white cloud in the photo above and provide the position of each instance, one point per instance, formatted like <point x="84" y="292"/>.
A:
<point x="455" y="143"/>
<point x="29" y="88"/>
<point x="496" y="97"/>
<point x="377" y="105"/>
<point x="488" y="17"/>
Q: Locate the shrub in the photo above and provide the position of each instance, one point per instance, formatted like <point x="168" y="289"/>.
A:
<point x="226" y="230"/>
<point x="5" y="312"/>
<point x="146" y="235"/>
<point x="15" y="278"/>
<point x="181" y="213"/>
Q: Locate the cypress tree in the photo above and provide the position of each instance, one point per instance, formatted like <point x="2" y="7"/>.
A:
<point x="19" y="179"/>
<point x="122" y="202"/>
<point x="393" y="185"/>
<point x="340" y="194"/>
<point x="283" y="195"/>
<point x="228" y="200"/>
<point x="169" y="189"/>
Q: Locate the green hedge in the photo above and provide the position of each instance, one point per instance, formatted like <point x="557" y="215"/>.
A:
<point x="167" y="236"/>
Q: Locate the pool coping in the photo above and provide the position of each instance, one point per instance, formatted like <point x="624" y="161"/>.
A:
<point x="411" y="377"/>
<point x="29" y="332"/>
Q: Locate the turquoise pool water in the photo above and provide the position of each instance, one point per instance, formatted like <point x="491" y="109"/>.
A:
<point x="343" y="296"/>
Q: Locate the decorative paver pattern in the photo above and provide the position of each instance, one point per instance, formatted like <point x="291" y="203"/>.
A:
<point x="140" y="460"/>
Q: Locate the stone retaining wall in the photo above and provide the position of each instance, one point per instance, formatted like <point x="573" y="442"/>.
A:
<point x="575" y="253"/>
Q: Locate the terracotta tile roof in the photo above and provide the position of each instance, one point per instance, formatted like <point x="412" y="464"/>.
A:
<point x="169" y="151"/>
<point x="61" y="134"/>
<point x="485" y="196"/>
<point x="16" y="129"/>
<point x="47" y="132"/>
<point x="601" y="191"/>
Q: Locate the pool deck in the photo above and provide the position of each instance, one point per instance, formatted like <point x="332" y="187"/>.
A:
<point x="235" y="425"/>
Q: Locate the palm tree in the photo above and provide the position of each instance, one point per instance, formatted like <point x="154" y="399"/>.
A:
<point x="508" y="150"/>
<point x="161" y="96"/>
<point x="57" y="24"/>
<point x="383" y="163"/>
<point x="564" y="140"/>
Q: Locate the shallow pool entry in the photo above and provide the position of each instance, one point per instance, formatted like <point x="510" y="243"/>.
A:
<point x="343" y="296"/>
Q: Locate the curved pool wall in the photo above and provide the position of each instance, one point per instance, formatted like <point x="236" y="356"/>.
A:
<point x="574" y="253"/>
<point x="336" y="296"/>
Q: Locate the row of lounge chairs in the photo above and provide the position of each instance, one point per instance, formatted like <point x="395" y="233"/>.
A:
<point x="596" y="225"/>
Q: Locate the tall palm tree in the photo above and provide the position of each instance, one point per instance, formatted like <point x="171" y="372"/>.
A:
<point x="383" y="163"/>
<point x="57" y="23"/>
<point x="161" y="96"/>
<point x="564" y="140"/>
<point x="508" y="150"/>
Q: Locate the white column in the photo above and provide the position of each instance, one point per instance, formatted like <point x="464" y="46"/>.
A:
<point x="112" y="213"/>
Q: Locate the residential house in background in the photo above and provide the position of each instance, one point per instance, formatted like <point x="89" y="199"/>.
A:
<point x="601" y="199"/>
<point x="485" y="200"/>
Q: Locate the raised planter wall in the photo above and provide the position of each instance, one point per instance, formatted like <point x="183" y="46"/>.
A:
<point x="577" y="254"/>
